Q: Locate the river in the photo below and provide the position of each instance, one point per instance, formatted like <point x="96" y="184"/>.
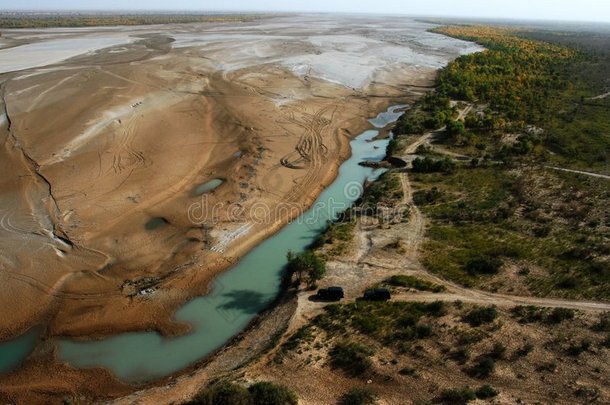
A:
<point x="236" y="297"/>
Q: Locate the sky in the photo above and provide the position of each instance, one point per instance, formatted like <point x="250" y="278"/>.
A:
<point x="575" y="10"/>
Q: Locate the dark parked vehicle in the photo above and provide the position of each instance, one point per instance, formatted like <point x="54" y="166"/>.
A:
<point x="377" y="294"/>
<point x="331" y="293"/>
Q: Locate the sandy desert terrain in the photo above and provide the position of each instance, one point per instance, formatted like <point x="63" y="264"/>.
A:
<point x="111" y="137"/>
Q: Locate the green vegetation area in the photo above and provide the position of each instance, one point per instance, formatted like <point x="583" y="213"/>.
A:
<point x="337" y="237"/>
<point x="523" y="82"/>
<point x="402" y="341"/>
<point x="384" y="193"/>
<point x="386" y="190"/>
<point x="551" y="229"/>
<point x="95" y="20"/>
<point x="501" y="220"/>
<point x="392" y="323"/>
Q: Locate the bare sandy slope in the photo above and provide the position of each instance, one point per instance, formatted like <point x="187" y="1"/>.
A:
<point x="101" y="227"/>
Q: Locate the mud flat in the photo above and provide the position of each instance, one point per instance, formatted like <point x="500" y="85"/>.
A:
<point x="99" y="145"/>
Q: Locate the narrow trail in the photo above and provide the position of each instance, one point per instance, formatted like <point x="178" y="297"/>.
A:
<point x="455" y="291"/>
<point x="561" y="169"/>
<point x="600" y="97"/>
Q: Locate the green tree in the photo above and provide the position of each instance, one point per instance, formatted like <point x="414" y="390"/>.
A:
<point x="455" y="128"/>
<point x="306" y="264"/>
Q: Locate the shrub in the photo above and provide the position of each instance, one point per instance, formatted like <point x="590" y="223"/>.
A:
<point x="408" y="371"/>
<point x="528" y="314"/>
<point x="576" y="349"/>
<point x="483" y="265"/>
<point x="436" y="308"/>
<point x="223" y="393"/>
<point x="268" y="393"/>
<point x="567" y="283"/>
<point x="460" y="355"/>
<point x="525" y="350"/>
<point x="457" y="396"/>
<point x="429" y="165"/>
<point x="604" y="323"/>
<point x="423" y="197"/>
<point x="558" y="315"/>
<point x="498" y="351"/>
<point x="226" y="393"/>
<point x="486" y="391"/>
<point x="483" y="368"/>
<point x="423" y="331"/>
<point x="480" y="316"/>
<point x="359" y="396"/>
<point x="353" y="358"/>
<point x="550" y="366"/>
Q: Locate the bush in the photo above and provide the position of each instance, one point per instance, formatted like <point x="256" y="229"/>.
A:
<point x="604" y="323"/>
<point x="528" y="313"/>
<point x="483" y="368"/>
<point x="263" y="392"/>
<point x="428" y="165"/>
<point x="576" y="349"/>
<point x="460" y="355"/>
<point x="266" y="393"/>
<point x="480" y="316"/>
<point x="486" y="391"/>
<point x="606" y="341"/>
<point x="525" y="350"/>
<point x="353" y="358"/>
<point x="558" y="315"/>
<point x="567" y="283"/>
<point x="498" y="351"/>
<point x="435" y="308"/>
<point x="410" y="371"/>
<point x="457" y="396"/>
<point x="223" y="393"/>
<point x="423" y="197"/>
<point x="483" y="265"/>
<point x="423" y="331"/>
<point x="359" y="396"/>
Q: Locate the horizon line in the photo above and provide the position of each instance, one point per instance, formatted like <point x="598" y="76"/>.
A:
<point x="218" y="11"/>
